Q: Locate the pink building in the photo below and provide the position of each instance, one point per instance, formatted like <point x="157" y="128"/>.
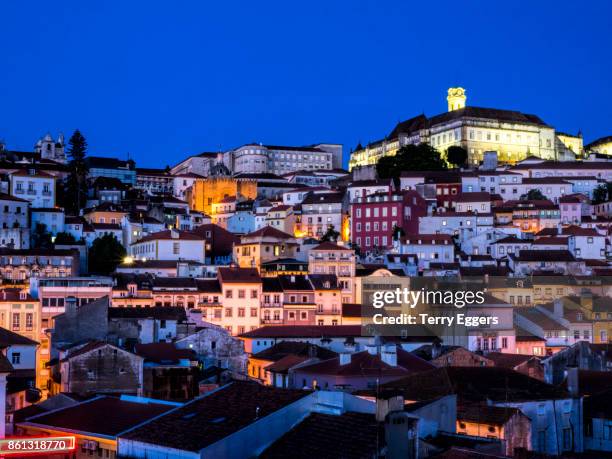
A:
<point x="373" y="218"/>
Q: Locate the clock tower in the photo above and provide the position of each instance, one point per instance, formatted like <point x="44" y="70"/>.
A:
<point x="456" y="98"/>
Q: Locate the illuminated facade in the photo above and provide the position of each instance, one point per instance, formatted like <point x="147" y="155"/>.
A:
<point x="207" y="191"/>
<point x="602" y="146"/>
<point x="512" y="134"/>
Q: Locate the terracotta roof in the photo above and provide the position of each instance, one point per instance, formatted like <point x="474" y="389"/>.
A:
<point x="543" y="255"/>
<point x="8" y="197"/>
<point x="268" y="231"/>
<point x="539" y="318"/>
<point x="163" y="353"/>
<point x="578" y="231"/>
<point x="237" y="275"/>
<point x="284" y="364"/>
<point x="304" y="331"/>
<point x="9" y="338"/>
<point x="102" y="415"/>
<point x="330" y="246"/>
<point x="477" y="196"/>
<point x="550" y="240"/>
<point x="167" y="235"/>
<point x="507" y="360"/>
<point x="214" y="416"/>
<point x="298" y="348"/>
<point x="348" y="436"/>
<point x="475" y="384"/>
<point x="153" y="312"/>
<point x="365" y="364"/>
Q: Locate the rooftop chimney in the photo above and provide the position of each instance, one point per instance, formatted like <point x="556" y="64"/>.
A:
<point x="401" y="434"/>
<point x="386" y="405"/>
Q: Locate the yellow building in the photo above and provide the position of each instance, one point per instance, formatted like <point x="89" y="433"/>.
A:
<point x="265" y="244"/>
<point x="511" y="134"/>
<point x="602" y="146"/>
<point x="208" y="191"/>
<point x="573" y="143"/>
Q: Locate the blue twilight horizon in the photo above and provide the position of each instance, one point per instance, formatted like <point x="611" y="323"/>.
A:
<point x="163" y="80"/>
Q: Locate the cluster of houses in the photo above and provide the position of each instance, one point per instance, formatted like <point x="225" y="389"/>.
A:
<point x="233" y="327"/>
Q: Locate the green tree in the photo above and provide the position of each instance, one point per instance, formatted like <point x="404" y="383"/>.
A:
<point x="331" y="235"/>
<point x="105" y="254"/>
<point x="41" y="238"/>
<point x="75" y="195"/>
<point x="422" y="157"/>
<point x="600" y="194"/>
<point x="457" y="156"/>
<point x="533" y="195"/>
<point x="64" y="238"/>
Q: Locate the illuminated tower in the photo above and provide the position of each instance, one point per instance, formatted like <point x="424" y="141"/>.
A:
<point x="456" y="98"/>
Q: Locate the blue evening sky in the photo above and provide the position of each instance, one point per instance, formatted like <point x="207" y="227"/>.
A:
<point x="163" y="80"/>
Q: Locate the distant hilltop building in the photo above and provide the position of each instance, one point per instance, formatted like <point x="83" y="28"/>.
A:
<point x="257" y="158"/>
<point x="47" y="150"/>
<point x="602" y="146"/>
<point x="511" y="134"/>
<point x="51" y="149"/>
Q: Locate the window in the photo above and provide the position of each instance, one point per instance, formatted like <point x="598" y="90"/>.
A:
<point x="16" y="358"/>
<point x="16" y="321"/>
<point x="241" y="312"/>
<point x="175" y="248"/>
<point x="29" y="321"/>
<point x="241" y="293"/>
<point x="254" y="294"/>
<point x="253" y="312"/>
<point x="229" y="294"/>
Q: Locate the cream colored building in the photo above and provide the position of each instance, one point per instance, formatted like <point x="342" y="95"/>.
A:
<point x="511" y="134"/>
<point x="329" y="258"/>
<point x="602" y="146"/>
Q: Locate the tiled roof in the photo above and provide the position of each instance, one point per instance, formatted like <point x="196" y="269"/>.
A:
<point x="539" y="318"/>
<point x="578" y="231"/>
<point x="330" y="246"/>
<point x="8" y="197"/>
<point x="214" y="416"/>
<point x="299" y="348"/>
<point x="475" y="384"/>
<point x="477" y="196"/>
<point x="101" y="415"/>
<point x="268" y="231"/>
<point x="507" y="360"/>
<point x="163" y="353"/>
<point x="366" y="364"/>
<point x="167" y="235"/>
<point x="239" y="275"/>
<point x="304" y="331"/>
<point x="543" y="256"/>
<point x="9" y="338"/>
<point x="295" y="282"/>
<point x="348" y="436"/>
<point x="153" y="312"/>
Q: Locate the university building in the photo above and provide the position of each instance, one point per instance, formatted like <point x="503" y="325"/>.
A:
<point x="511" y="134"/>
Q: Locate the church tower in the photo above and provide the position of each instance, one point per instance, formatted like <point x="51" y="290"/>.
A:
<point x="51" y="149"/>
<point x="456" y="98"/>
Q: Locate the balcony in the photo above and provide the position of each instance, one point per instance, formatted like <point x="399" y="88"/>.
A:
<point x="46" y="193"/>
<point x="32" y="192"/>
<point x="271" y="305"/>
<point x="272" y="321"/>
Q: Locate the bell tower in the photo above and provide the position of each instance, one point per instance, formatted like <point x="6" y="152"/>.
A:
<point x="456" y="98"/>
